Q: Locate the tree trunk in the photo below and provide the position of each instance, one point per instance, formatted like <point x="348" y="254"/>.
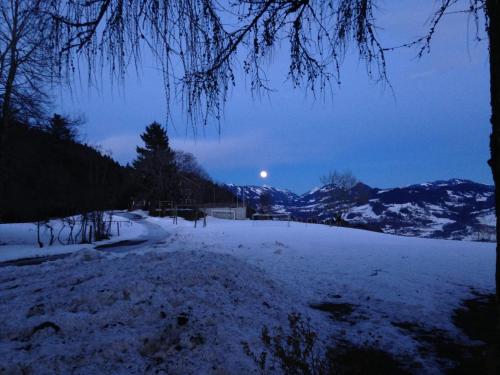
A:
<point x="40" y="243"/>
<point x="6" y="101"/>
<point x="6" y="110"/>
<point x="493" y="13"/>
<point x="9" y="84"/>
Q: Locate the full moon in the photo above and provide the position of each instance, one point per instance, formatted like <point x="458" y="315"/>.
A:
<point x="263" y="174"/>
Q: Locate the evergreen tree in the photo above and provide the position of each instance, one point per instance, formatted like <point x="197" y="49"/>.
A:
<point x="63" y="128"/>
<point x="155" y="165"/>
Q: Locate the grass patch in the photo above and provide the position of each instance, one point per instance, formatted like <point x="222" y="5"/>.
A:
<point x="337" y="311"/>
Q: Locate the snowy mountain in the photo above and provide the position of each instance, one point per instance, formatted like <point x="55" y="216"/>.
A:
<point x="453" y="209"/>
<point x="281" y="199"/>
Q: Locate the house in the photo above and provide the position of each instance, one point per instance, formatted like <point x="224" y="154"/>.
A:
<point x="225" y="211"/>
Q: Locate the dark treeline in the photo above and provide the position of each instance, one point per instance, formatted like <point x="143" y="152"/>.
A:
<point x="46" y="176"/>
<point x="47" y="173"/>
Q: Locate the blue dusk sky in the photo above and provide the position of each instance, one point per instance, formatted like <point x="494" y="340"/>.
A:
<point x="434" y="124"/>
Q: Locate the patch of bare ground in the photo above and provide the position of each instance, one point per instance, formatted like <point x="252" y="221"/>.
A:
<point x="337" y="311"/>
<point x="346" y="359"/>
<point x="476" y="318"/>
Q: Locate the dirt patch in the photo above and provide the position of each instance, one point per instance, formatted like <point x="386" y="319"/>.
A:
<point x="476" y="318"/>
<point x="351" y="360"/>
<point x="120" y="244"/>
<point x="337" y="311"/>
<point x="32" y="261"/>
<point x="436" y="343"/>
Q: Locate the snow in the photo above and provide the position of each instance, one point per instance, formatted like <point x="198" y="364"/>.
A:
<point x="454" y="197"/>
<point x="488" y="218"/>
<point x="435" y="208"/>
<point x="19" y="240"/>
<point x="453" y="181"/>
<point x="439" y="222"/>
<point x="397" y="207"/>
<point x="365" y="211"/>
<point x="390" y="278"/>
<point x="314" y="190"/>
<point x="119" y="315"/>
<point x="220" y="275"/>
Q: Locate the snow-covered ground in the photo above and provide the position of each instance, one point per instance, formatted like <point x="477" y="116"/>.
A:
<point x="122" y="312"/>
<point x="19" y="240"/>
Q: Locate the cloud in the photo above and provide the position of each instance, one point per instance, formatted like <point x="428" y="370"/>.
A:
<point x="223" y="153"/>
<point x="121" y="146"/>
<point x="257" y="149"/>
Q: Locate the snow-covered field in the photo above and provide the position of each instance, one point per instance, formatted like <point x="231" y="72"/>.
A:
<point x="185" y="303"/>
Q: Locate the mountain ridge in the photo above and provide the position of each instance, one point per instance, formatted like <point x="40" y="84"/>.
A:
<point x="457" y="208"/>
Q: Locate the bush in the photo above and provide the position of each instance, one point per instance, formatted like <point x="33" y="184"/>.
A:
<point x="191" y="215"/>
<point x="296" y="353"/>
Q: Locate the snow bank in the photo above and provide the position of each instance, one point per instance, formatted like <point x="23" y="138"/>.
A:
<point x="182" y="312"/>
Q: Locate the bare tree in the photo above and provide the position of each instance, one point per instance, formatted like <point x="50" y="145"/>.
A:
<point x="342" y="180"/>
<point x="24" y="60"/>
<point x="186" y="162"/>
<point x="206" y="36"/>
<point x="342" y="198"/>
<point x="197" y="41"/>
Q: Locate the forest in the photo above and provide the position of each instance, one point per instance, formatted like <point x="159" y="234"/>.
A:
<point x="48" y="172"/>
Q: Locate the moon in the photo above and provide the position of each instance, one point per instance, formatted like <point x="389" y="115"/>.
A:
<point x="263" y="174"/>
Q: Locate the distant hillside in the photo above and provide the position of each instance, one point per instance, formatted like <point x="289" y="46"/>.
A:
<point x="281" y="199"/>
<point x="453" y="209"/>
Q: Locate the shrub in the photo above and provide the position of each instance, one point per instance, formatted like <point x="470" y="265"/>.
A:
<point x="294" y="353"/>
<point x="191" y="215"/>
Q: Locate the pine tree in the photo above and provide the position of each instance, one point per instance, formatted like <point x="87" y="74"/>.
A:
<point x="155" y="165"/>
<point x="63" y="128"/>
